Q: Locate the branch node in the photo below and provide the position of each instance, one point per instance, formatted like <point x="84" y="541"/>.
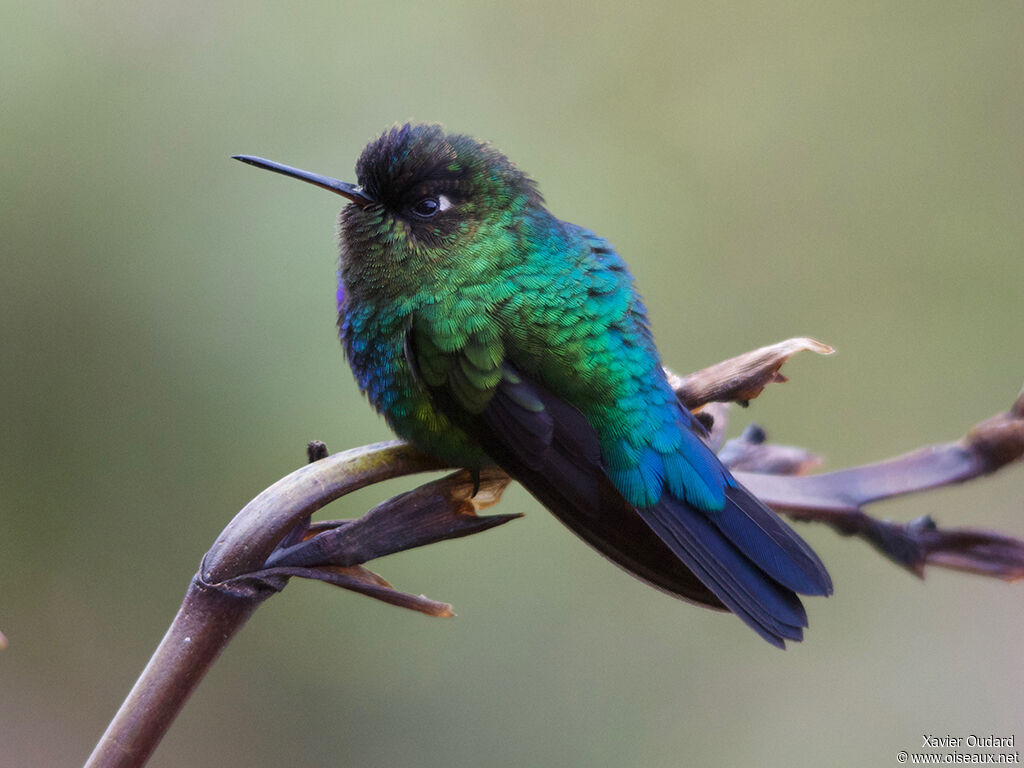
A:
<point x="999" y="440"/>
<point x="247" y="586"/>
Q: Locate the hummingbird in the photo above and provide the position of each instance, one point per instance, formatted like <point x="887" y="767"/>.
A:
<point x="488" y="332"/>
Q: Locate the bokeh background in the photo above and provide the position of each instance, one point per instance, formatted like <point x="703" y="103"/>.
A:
<point x="853" y="172"/>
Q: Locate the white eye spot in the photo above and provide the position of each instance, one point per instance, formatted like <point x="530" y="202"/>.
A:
<point x="443" y="203"/>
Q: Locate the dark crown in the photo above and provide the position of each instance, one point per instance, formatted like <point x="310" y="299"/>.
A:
<point x="410" y="157"/>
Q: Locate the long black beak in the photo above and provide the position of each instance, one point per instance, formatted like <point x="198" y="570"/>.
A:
<point x="343" y="188"/>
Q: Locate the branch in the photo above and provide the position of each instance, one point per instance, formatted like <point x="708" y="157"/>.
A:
<point x="271" y="539"/>
<point x="837" y="498"/>
<point x="233" y="579"/>
<point x="774" y="473"/>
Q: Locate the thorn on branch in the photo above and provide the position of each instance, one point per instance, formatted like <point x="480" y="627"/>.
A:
<point x="717" y="417"/>
<point x="705" y="419"/>
<point x="316" y="450"/>
<point x="751" y="453"/>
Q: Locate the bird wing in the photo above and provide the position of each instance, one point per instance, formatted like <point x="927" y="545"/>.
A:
<point x="624" y="469"/>
<point x="550" y="448"/>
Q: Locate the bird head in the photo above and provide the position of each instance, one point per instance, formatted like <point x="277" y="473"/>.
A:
<point x="423" y="197"/>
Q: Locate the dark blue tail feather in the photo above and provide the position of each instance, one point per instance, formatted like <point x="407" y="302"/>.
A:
<point x="762" y="536"/>
<point x="769" y="608"/>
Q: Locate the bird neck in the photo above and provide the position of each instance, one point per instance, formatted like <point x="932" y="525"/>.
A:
<point x="384" y="265"/>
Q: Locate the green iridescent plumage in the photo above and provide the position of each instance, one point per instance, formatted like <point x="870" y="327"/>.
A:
<point x="507" y="281"/>
<point x="486" y="330"/>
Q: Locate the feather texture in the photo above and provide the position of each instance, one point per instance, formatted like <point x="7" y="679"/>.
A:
<point x="493" y="332"/>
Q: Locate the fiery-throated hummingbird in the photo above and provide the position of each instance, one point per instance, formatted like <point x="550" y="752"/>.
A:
<point x="487" y="331"/>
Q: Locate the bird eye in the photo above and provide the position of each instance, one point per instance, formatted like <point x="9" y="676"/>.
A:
<point x="426" y="207"/>
<point x="429" y="207"/>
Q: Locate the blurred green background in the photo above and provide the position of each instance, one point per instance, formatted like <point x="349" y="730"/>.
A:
<point x="853" y="172"/>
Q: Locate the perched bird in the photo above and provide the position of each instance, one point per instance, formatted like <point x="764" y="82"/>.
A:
<point x="487" y="331"/>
